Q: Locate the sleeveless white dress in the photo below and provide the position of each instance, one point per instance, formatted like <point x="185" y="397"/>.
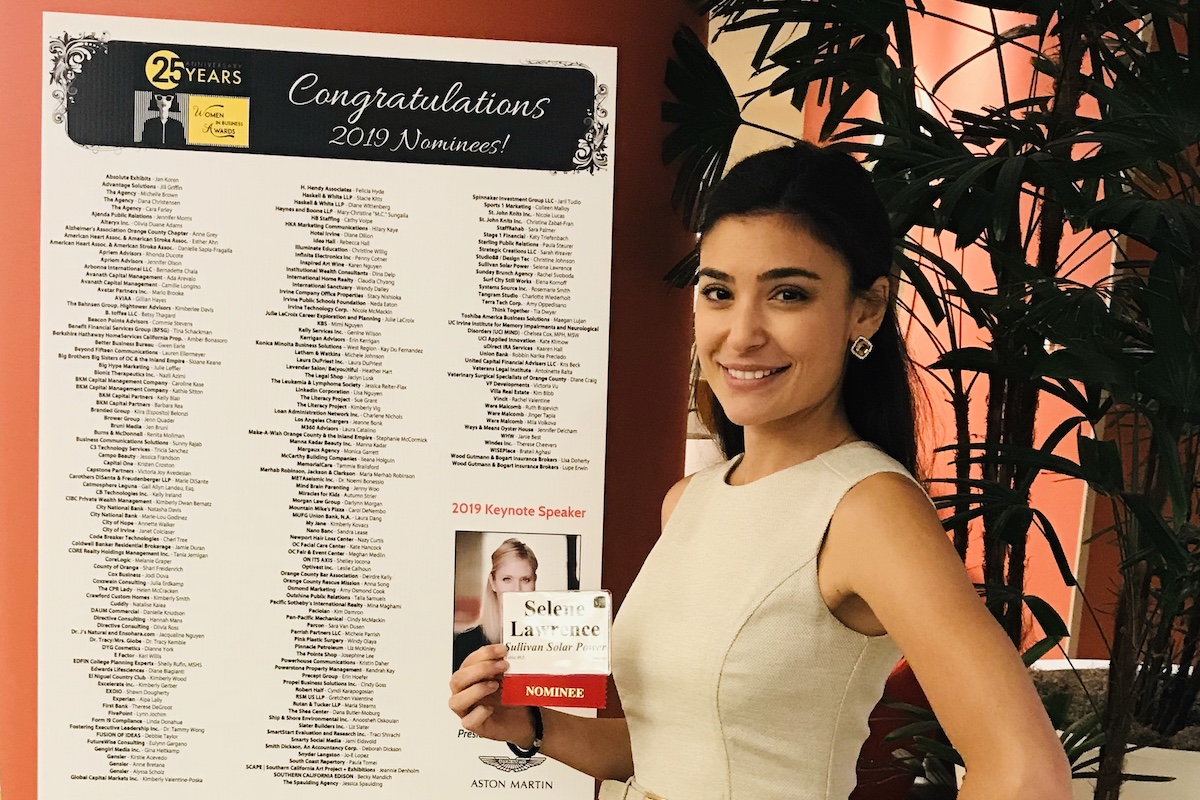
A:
<point x="736" y="680"/>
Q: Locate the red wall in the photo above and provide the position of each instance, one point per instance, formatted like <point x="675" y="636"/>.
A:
<point x="650" y="324"/>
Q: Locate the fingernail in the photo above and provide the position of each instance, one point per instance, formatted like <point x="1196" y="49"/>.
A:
<point x="502" y="664"/>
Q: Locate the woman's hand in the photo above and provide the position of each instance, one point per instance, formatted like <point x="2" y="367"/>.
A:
<point x="599" y="747"/>
<point x="475" y="698"/>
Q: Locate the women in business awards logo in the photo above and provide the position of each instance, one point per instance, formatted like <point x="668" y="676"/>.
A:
<point x="194" y="118"/>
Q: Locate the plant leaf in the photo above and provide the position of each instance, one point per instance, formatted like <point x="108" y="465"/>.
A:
<point x="1040" y="649"/>
<point x="706" y="116"/>
<point x="1052" y="624"/>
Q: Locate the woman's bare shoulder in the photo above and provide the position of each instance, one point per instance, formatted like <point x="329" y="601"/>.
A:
<point x="672" y="498"/>
<point x="879" y="496"/>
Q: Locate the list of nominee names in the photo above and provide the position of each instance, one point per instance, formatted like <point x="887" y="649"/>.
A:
<point x="267" y="406"/>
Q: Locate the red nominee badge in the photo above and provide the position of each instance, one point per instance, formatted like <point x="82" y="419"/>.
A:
<point x="558" y="648"/>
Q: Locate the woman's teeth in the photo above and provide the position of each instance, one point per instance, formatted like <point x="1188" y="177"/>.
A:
<point x="742" y="375"/>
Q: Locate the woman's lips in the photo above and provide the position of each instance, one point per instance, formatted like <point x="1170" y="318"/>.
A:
<point x="751" y="373"/>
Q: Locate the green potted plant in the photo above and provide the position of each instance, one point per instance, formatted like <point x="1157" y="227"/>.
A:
<point x="1099" y="142"/>
<point x="1134" y="338"/>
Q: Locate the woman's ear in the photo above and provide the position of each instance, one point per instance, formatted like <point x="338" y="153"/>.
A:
<point x="870" y="307"/>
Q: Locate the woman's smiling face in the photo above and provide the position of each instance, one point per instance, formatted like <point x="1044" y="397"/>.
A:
<point x="774" y="315"/>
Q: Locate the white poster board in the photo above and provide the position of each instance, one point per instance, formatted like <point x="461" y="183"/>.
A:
<point x="324" y="324"/>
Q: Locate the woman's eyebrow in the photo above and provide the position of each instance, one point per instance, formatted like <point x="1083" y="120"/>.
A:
<point x="715" y="274"/>
<point x="788" y="272"/>
<point x="769" y="275"/>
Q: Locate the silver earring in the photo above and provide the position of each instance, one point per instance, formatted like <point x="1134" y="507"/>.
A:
<point x="861" y="347"/>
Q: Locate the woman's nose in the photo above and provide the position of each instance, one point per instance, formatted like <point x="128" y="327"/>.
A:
<point x="746" y="327"/>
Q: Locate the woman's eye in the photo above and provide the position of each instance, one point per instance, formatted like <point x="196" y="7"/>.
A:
<point x="716" y="293"/>
<point x="790" y="294"/>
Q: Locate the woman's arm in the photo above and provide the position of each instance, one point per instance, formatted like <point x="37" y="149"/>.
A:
<point x="886" y="546"/>
<point x="597" y="747"/>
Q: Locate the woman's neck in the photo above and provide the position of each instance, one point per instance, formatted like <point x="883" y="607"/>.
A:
<point x="783" y="444"/>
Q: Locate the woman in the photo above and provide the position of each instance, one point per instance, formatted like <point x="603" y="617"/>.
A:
<point x="514" y="569"/>
<point x="789" y="580"/>
<point x="162" y="129"/>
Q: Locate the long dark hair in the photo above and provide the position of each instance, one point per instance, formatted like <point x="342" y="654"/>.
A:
<point x="831" y="194"/>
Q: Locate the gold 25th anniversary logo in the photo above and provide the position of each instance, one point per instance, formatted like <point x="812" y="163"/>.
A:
<point x="214" y="120"/>
<point x="166" y="70"/>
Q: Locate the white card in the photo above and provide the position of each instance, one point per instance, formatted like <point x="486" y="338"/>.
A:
<point x="558" y="633"/>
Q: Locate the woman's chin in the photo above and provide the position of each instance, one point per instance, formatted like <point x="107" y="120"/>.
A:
<point x="746" y="419"/>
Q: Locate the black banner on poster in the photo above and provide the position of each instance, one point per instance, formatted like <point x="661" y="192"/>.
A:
<point x="185" y="97"/>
